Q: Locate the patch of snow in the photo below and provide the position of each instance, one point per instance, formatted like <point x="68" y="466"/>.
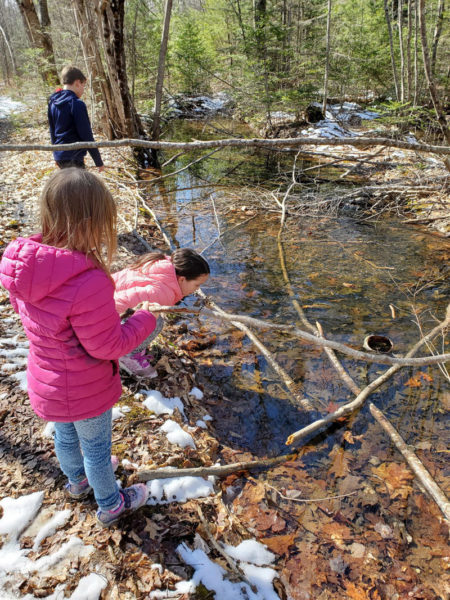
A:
<point x="178" y="489"/>
<point x="128" y="463"/>
<point x="117" y="413"/>
<point x="8" y="107"/>
<point x="213" y="577"/>
<point x="14" y="561"/>
<point x="89" y="587"/>
<point x="196" y="393"/>
<point x="49" y="430"/>
<point x="18" y="512"/>
<point x="201" y="424"/>
<point x="158" y="404"/>
<point x="59" y="519"/>
<point x="251" y="551"/>
<point x="182" y="587"/>
<point x="176" y="435"/>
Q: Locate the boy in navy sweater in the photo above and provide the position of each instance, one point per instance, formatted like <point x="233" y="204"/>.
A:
<point x="69" y="121"/>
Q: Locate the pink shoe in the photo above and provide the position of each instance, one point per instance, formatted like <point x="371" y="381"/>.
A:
<point x="131" y="498"/>
<point x="138" y="365"/>
<point x="78" y="491"/>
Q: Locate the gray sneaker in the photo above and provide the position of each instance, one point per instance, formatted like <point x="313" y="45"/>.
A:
<point x="131" y="498"/>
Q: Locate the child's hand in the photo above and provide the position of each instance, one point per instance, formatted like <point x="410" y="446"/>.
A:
<point x="142" y="306"/>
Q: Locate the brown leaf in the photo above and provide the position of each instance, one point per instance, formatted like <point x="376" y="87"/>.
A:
<point x="355" y="593"/>
<point x="413" y="382"/>
<point x="280" y="543"/>
<point x="348" y="437"/>
<point x="397" y="478"/>
<point x="269" y="520"/>
<point x="340" y="462"/>
<point x="337" y="533"/>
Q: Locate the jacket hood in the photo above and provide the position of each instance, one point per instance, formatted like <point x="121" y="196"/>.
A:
<point x="161" y="272"/>
<point x="32" y="270"/>
<point x="61" y="97"/>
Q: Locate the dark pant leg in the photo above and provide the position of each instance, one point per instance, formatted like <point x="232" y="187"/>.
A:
<point x="65" y="164"/>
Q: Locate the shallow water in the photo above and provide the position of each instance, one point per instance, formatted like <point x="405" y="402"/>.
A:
<point x="355" y="278"/>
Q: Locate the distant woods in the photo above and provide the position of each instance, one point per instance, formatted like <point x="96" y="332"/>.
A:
<point x="269" y="55"/>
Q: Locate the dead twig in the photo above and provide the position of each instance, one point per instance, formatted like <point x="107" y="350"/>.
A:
<point x="215" y="471"/>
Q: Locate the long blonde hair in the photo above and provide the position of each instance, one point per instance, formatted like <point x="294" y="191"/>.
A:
<point x="78" y="212"/>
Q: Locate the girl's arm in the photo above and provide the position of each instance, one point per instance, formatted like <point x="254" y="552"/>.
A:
<point x="131" y="297"/>
<point x="96" y="322"/>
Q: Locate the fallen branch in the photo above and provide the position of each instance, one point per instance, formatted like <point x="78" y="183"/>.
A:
<point x="215" y="471"/>
<point x="383" y="359"/>
<point x="359" y="142"/>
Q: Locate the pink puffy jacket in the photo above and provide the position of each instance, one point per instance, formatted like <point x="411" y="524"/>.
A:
<point x="156" y="282"/>
<point x="67" y="309"/>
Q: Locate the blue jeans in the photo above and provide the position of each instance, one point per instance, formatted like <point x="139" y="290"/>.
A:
<point x="83" y="449"/>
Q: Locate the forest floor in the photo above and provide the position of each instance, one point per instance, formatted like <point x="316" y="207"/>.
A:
<point x="321" y="545"/>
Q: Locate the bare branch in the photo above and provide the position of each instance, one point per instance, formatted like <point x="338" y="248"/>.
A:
<point x="359" y="142"/>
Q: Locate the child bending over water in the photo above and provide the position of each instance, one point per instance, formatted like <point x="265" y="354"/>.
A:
<point x="60" y="285"/>
<point x="158" y="279"/>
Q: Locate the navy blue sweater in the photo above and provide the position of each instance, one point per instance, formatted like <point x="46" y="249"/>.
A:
<point x="69" y="122"/>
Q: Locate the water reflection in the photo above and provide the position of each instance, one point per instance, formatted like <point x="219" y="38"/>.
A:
<point x="351" y="276"/>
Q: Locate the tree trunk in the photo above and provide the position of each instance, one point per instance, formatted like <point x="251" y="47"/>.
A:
<point x="109" y="118"/>
<point x="391" y="45"/>
<point x="110" y="15"/>
<point x="416" y="51"/>
<point x="156" y="129"/>
<point x="400" y="44"/>
<point x="11" y="55"/>
<point x="437" y="35"/>
<point x="40" y="40"/>
<point x="429" y="76"/>
<point x="327" y="61"/>
<point x="408" y="51"/>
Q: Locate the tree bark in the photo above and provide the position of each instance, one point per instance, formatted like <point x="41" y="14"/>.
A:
<point x="156" y="129"/>
<point x="39" y="39"/>
<point x="400" y="44"/>
<point x="11" y="54"/>
<point x="327" y="60"/>
<point x="429" y="76"/>
<point x="391" y="45"/>
<point x="101" y="28"/>
<point x="109" y="117"/>
<point x="290" y="143"/>
<point x="408" y="52"/>
<point x="437" y="35"/>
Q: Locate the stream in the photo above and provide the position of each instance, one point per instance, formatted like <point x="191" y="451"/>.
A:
<point x="355" y="277"/>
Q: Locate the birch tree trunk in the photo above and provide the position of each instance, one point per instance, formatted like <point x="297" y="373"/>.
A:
<point x="39" y="39"/>
<point x="156" y="129"/>
<point x="391" y="46"/>
<point x="327" y="61"/>
<point x="11" y="55"/>
<point x="416" y="51"/>
<point x="408" y="53"/>
<point x="400" y="44"/>
<point x="430" y="79"/>
<point x="437" y="35"/>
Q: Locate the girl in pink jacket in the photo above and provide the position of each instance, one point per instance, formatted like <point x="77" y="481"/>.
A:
<point x="158" y="279"/>
<point x="60" y="285"/>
